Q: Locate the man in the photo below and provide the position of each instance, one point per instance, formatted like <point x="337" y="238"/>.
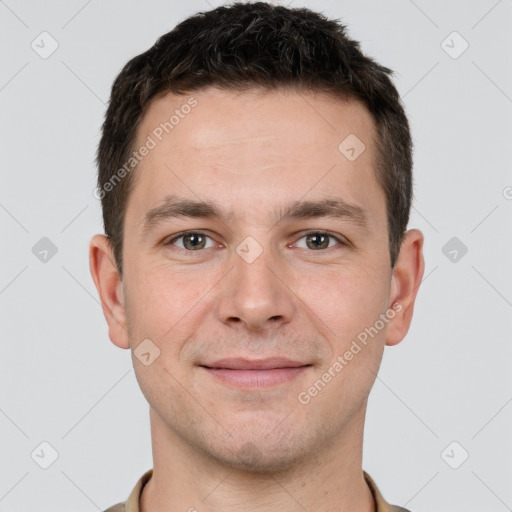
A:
<point x="255" y="178"/>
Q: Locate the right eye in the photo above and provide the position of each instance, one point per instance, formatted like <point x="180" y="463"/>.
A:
<point x="191" y="241"/>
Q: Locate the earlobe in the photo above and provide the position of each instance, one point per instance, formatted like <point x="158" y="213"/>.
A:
<point x="405" y="282"/>
<point x="110" y="289"/>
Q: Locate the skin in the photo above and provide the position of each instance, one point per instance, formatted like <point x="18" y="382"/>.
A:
<point x="220" y="448"/>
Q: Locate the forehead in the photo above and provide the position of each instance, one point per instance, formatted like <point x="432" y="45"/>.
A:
<point x="218" y="144"/>
<point x="222" y="119"/>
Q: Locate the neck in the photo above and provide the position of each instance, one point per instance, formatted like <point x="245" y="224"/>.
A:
<point x="185" y="478"/>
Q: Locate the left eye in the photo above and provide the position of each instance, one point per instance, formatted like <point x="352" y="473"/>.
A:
<point x="192" y="241"/>
<point x="319" y="240"/>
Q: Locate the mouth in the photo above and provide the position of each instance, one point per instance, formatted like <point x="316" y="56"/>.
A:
<point x="255" y="374"/>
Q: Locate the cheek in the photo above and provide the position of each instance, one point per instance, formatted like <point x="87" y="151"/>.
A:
<point x="347" y="299"/>
<point x="162" y="301"/>
<point x="164" y="307"/>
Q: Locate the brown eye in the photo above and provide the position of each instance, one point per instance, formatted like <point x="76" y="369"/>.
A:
<point x="319" y="240"/>
<point x="192" y="241"/>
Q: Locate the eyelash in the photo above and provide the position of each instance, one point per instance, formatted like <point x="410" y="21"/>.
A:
<point x="341" y="242"/>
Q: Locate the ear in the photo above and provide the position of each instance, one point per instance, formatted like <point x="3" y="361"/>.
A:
<point x="405" y="281"/>
<point x="110" y="289"/>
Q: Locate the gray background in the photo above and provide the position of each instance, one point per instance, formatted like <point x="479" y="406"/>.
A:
<point x="64" y="383"/>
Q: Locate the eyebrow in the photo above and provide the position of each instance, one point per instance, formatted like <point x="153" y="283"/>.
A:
<point x="176" y="207"/>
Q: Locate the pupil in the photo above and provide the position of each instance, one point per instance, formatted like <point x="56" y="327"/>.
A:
<point x="194" y="240"/>
<point x="317" y="243"/>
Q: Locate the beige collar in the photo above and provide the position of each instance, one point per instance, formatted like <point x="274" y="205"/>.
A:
<point x="132" y="503"/>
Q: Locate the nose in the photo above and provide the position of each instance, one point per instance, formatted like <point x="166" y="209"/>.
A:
<point x="255" y="295"/>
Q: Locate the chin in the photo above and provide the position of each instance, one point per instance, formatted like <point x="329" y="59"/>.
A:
<point x="260" y="454"/>
<point x="263" y="460"/>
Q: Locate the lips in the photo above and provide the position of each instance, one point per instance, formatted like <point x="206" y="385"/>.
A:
<point x="255" y="364"/>
<point x="256" y="373"/>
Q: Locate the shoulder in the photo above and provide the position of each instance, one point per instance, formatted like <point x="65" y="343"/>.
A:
<point x="116" y="508"/>
<point x="132" y="503"/>
<point x="381" y="504"/>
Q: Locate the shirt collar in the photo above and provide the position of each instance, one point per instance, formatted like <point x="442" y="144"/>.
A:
<point x="381" y="505"/>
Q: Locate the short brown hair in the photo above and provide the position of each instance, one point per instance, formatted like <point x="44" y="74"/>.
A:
<point x="256" y="45"/>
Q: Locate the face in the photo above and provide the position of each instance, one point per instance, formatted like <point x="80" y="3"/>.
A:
<point x="255" y="258"/>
